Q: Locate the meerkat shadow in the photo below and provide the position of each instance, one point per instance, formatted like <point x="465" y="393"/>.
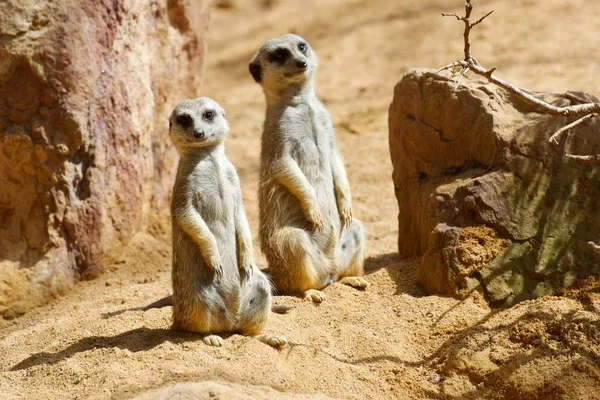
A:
<point x="161" y="303"/>
<point x="136" y="340"/>
<point x="403" y="272"/>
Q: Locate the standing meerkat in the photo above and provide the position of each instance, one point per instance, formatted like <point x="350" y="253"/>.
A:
<point x="307" y="231"/>
<point x="217" y="288"/>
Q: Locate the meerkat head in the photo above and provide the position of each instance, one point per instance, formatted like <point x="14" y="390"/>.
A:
<point x="197" y="123"/>
<point x="283" y="62"/>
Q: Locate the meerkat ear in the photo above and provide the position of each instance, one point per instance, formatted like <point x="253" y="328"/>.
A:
<point x="256" y="71"/>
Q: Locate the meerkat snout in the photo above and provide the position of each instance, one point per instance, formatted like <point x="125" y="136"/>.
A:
<point x="197" y="123"/>
<point x="199" y="135"/>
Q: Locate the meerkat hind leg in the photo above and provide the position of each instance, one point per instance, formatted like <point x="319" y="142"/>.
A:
<point x="351" y="256"/>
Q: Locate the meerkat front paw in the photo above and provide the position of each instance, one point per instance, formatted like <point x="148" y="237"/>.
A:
<point x="246" y="270"/>
<point x="316" y="296"/>
<point x="213" y="340"/>
<point x="357" y="282"/>
<point x="345" y="214"/>
<point x="314" y="216"/>
<point x="272" y="340"/>
<point x="217" y="266"/>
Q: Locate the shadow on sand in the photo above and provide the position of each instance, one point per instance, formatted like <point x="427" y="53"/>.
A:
<point x="140" y="339"/>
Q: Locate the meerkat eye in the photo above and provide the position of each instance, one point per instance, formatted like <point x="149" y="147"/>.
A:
<point x="302" y="47"/>
<point x="209" y="115"/>
<point x="279" y="55"/>
<point x="184" y="120"/>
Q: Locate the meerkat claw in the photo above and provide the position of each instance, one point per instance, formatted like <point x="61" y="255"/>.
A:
<point x="357" y="282"/>
<point x="246" y="272"/>
<point x="272" y="340"/>
<point x="316" y="296"/>
<point x="316" y="219"/>
<point x="213" y="340"/>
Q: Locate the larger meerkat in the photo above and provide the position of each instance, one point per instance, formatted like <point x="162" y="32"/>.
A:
<point x="307" y="231"/>
<point x="217" y="288"/>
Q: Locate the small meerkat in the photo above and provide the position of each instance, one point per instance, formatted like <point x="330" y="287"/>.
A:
<point x="217" y="288"/>
<point x="307" y="231"/>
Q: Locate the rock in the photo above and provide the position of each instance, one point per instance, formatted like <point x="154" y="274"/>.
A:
<point x="85" y="162"/>
<point x="483" y="197"/>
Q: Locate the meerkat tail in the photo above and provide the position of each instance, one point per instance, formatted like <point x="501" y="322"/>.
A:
<point x="168" y="301"/>
<point x="281" y="309"/>
<point x="164" y="302"/>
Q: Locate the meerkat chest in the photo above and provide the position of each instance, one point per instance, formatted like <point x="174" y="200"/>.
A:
<point x="312" y="141"/>
<point x="214" y="195"/>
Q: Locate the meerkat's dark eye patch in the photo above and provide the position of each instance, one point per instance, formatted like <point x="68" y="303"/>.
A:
<point x="279" y="55"/>
<point x="302" y="47"/>
<point x="208" y="115"/>
<point x="184" y="120"/>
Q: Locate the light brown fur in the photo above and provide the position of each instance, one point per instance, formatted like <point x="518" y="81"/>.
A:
<point x="307" y="230"/>
<point x="217" y="288"/>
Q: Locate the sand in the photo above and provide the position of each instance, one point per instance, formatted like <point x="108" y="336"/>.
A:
<point x="390" y="341"/>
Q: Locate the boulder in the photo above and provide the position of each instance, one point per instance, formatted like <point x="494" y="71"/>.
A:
<point x="483" y="197"/>
<point x="85" y="161"/>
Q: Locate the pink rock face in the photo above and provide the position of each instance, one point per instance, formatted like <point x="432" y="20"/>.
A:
<point x="483" y="196"/>
<point x="86" y="88"/>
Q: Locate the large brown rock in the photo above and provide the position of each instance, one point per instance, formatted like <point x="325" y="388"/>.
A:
<point x="483" y="196"/>
<point x="85" y="92"/>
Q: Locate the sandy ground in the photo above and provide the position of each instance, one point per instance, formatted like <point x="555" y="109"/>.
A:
<point x="390" y="341"/>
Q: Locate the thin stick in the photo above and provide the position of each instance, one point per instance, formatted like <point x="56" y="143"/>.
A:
<point x="460" y="78"/>
<point x="595" y="248"/>
<point x="480" y="20"/>
<point x="592" y="158"/>
<point x="449" y="66"/>
<point x="554" y="138"/>
<point x="577" y="109"/>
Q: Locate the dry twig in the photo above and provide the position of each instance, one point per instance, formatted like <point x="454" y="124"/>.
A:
<point x="554" y="138"/>
<point x="587" y="110"/>
<point x="595" y="248"/>
<point x="590" y="158"/>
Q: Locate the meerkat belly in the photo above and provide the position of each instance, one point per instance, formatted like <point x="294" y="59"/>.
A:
<point x="216" y="205"/>
<point x="316" y="166"/>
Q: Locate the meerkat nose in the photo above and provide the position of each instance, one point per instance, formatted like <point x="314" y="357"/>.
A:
<point x="199" y="134"/>
<point x="301" y="64"/>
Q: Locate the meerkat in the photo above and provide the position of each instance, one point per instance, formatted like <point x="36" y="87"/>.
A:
<point x="307" y="231"/>
<point x="217" y="288"/>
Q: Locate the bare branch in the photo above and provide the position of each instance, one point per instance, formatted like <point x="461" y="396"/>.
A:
<point x="460" y="78"/>
<point x="554" y="138"/>
<point x="592" y="158"/>
<point x="490" y="71"/>
<point x="577" y="109"/>
<point x="471" y="63"/>
<point x="587" y="110"/>
<point x="458" y="17"/>
<point x="449" y="66"/>
<point x="481" y="19"/>
<point x="595" y="248"/>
